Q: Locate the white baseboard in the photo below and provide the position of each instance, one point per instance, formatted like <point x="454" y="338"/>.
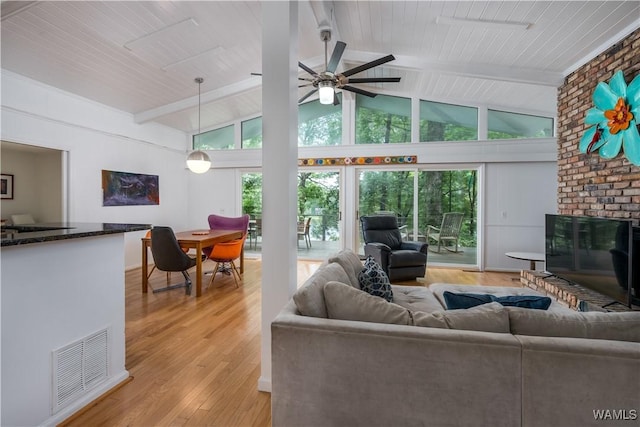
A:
<point x="85" y="400"/>
<point x="264" y="384"/>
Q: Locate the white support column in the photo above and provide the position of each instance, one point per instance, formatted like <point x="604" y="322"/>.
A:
<point x="279" y="166"/>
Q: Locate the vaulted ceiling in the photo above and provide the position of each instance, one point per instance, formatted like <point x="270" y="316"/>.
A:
<point x="142" y="56"/>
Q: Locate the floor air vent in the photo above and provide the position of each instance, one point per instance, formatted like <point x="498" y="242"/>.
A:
<point x="78" y="367"/>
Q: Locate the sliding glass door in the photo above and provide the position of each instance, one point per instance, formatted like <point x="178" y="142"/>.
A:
<point x="319" y="218"/>
<point x="420" y="198"/>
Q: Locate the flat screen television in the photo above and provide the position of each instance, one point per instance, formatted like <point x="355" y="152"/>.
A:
<point x="597" y="253"/>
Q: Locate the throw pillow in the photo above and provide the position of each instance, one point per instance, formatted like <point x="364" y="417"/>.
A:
<point x="456" y="301"/>
<point x="351" y="263"/>
<point x="309" y="298"/>
<point x="345" y="302"/>
<point x="374" y="280"/>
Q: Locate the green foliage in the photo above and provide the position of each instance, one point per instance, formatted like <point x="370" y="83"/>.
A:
<point x="252" y="194"/>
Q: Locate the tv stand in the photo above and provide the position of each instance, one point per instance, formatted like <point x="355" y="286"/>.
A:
<point x="569" y="294"/>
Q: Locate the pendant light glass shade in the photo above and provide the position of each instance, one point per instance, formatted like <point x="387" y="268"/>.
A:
<point x="198" y="161"/>
<point x="326" y="92"/>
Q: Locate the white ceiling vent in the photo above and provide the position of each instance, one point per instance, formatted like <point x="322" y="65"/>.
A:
<point x="78" y="367"/>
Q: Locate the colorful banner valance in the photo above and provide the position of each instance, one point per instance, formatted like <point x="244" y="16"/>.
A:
<point x="342" y="161"/>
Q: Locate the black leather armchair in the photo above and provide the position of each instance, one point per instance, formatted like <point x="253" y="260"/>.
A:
<point x="401" y="260"/>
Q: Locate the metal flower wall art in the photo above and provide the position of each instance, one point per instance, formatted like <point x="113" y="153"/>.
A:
<point x="614" y="119"/>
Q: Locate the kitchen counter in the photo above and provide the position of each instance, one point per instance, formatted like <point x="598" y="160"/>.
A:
<point x="47" y="232"/>
<point x="68" y="292"/>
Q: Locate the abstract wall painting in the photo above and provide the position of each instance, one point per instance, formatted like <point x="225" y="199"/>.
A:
<point x="129" y="189"/>
<point x="6" y="186"/>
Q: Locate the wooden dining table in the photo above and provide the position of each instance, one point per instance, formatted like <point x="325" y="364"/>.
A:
<point x="196" y="239"/>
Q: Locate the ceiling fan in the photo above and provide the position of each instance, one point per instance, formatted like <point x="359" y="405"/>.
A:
<point x="327" y="81"/>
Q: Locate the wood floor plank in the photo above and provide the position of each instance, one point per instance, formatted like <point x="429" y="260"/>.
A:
<point x="196" y="362"/>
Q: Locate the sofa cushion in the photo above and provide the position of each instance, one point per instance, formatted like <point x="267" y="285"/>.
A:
<point x="374" y="280"/>
<point x="351" y="263"/>
<point x="347" y="303"/>
<point x="490" y="317"/>
<point x="416" y="298"/>
<point x="309" y="298"/>
<point x="595" y="325"/>
<point x="455" y="301"/>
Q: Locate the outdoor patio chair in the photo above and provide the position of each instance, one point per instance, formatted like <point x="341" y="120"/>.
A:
<point x="448" y="233"/>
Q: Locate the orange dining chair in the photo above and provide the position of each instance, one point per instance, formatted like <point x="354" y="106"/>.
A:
<point x="225" y="254"/>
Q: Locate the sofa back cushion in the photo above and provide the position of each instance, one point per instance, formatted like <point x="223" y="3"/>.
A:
<point x="346" y="303"/>
<point x="351" y="264"/>
<point x="309" y="298"/>
<point x="490" y="317"/>
<point x="594" y="325"/>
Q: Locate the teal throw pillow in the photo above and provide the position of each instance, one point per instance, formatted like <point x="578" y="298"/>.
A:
<point x="456" y="301"/>
<point x="374" y="280"/>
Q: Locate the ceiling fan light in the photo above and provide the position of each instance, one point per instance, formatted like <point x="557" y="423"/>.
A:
<point x="198" y="162"/>
<point x="326" y="92"/>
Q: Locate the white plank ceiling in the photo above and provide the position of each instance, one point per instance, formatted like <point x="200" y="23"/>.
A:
<point x="142" y="56"/>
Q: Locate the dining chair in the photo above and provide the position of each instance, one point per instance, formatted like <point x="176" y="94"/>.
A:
<point x="169" y="256"/>
<point x="225" y="254"/>
<point x="304" y="228"/>
<point x="185" y="250"/>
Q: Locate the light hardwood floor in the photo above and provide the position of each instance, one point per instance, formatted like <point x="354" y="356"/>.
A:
<point x="196" y="362"/>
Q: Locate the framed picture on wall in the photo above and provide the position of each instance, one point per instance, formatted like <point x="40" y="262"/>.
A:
<point x="6" y="186"/>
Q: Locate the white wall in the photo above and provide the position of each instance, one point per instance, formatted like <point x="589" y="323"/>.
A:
<point x="97" y="137"/>
<point x="517" y="197"/>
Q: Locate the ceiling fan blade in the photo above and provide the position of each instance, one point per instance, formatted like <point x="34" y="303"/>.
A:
<point x="360" y="91"/>
<point x="306" y="85"/>
<point x="336" y="56"/>
<point x="256" y="74"/>
<point x="375" y="80"/>
<point x="306" y="96"/>
<point x="307" y="69"/>
<point x="336" y="100"/>
<point x="368" y="65"/>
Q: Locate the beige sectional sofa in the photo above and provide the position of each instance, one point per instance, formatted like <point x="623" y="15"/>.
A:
<point x="341" y="357"/>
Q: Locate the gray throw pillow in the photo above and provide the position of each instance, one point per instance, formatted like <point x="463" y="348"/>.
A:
<point x="374" y="280"/>
<point x="309" y="298"/>
<point x="347" y="303"/>
<point x="351" y="263"/>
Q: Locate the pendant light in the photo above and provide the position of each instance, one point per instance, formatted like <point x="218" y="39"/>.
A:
<point x="198" y="161"/>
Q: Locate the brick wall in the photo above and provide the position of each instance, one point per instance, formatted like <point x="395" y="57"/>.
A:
<point x="587" y="183"/>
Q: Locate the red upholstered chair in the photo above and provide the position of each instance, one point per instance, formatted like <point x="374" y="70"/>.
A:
<point x="226" y="253"/>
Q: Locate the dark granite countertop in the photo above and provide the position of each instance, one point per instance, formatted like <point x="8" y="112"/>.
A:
<point x="48" y="232"/>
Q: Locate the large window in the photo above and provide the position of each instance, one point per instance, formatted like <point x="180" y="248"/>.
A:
<point x="383" y="119"/>
<point x="447" y="122"/>
<point x="252" y="133"/>
<point x="218" y="139"/>
<point x="504" y="125"/>
<point x="319" y="124"/>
